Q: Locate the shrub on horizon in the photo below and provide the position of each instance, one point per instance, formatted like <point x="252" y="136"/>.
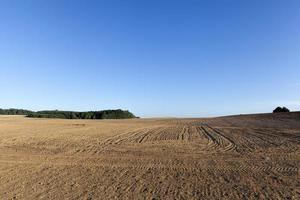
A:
<point x="281" y="109"/>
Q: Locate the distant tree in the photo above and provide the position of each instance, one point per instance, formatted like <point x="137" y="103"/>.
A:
<point x="281" y="109"/>
<point x="284" y="109"/>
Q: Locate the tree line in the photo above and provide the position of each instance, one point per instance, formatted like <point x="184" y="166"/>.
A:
<point x="13" y="111"/>
<point x="103" y="114"/>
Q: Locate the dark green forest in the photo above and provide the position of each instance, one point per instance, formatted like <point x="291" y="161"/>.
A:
<point x="13" y="111"/>
<point x="104" y="114"/>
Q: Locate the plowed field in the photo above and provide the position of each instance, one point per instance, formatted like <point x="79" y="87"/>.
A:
<point x="235" y="157"/>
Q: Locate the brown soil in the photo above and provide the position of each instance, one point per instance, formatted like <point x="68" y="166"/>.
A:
<point x="236" y="157"/>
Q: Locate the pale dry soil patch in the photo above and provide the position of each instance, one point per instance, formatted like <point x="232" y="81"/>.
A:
<point x="239" y="157"/>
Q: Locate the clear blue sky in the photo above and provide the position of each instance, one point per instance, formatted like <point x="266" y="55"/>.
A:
<point x="155" y="58"/>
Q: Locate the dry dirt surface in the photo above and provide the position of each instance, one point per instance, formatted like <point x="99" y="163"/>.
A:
<point x="236" y="157"/>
